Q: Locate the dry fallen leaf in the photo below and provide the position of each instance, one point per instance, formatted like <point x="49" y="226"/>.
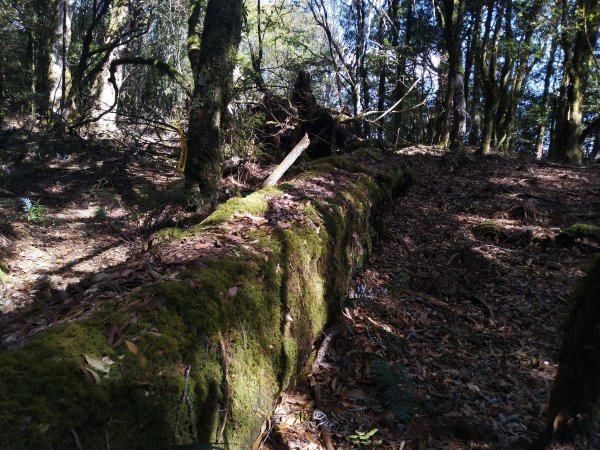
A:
<point x="90" y="375"/>
<point x="131" y="347"/>
<point x="101" y="365"/>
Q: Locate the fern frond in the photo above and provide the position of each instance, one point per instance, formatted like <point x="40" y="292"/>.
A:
<point x="27" y="203"/>
<point x="394" y="385"/>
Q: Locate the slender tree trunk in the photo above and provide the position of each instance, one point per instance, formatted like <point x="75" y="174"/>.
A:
<point x="212" y="93"/>
<point x="475" y="99"/>
<point x="459" y="121"/>
<point x="541" y="131"/>
<point x="453" y="120"/>
<point x="382" y="66"/>
<point x="30" y="63"/>
<point x="256" y="53"/>
<point x="522" y="73"/>
<point x="59" y="71"/>
<point x="360" y="55"/>
<point x="403" y="54"/>
<point x="504" y="82"/>
<point x="579" y="56"/>
<point x="38" y="53"/>
<point x="488" y="68"/>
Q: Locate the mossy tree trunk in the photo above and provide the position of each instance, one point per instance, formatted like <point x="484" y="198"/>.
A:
<point x="578" y="48"/>
<point x="574" y="407"/>
<point x="213" y="83"/>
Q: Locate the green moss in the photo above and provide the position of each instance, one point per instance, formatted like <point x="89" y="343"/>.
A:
<point x="579" y="231"/>
<point x="252" y="317"/>
<point x="368" y="146"/>
<point x="488" y="230"/>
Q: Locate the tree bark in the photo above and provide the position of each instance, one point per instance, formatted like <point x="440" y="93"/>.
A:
<point x="59" y="71"/>
<point x="475" y="93"/>
<point x="578" y="58"/>
<point x="106" y="96"/>
<point x="402" y="58"/>
<point x="541" y="131"/>
<point x="213" y="85"/>
<point x="453" y="120"/>
<point x="488" y="67"/>
<point x="573" y="415"/>
<point x="520" y="78"/>
<point x="381" y="87"/>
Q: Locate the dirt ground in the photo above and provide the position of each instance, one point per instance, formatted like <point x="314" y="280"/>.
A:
<point x="449" y="335"/>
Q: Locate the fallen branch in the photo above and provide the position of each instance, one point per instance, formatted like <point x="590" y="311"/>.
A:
<point x="292" y="156"/>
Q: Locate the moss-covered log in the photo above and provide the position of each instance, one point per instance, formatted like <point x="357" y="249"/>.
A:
<point x="574" y="407"/>
<point x="579" y="231"/>
<point x="199" y="356"/>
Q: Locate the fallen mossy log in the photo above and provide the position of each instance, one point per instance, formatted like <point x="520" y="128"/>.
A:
<point x="199" y="355"/>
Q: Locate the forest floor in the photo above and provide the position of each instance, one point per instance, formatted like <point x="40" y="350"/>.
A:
<point x="449" y="335"/>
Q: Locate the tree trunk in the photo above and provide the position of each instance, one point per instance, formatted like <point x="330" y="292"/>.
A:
<point x="488" y="67"/>
<point x="212" y="92"/>
<point x="59" y="72"/>
<point x="39" y="38"/>
<point x="595" y="155"/>
<point x="106" y="95"/>
<point x="381" y="87"/>
<point x="573" y="409"/>
<point x="361" y="54"/>
<point x="578" y="58"/>
<point x="459" y="124"/>
<point x="541" y="131"/>
<point x="401" y="75"/>
<point x="453" y="120"/>
<point x="520" y="79"/>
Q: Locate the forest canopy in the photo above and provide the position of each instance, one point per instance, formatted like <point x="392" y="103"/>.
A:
<point x="512" y="76"/>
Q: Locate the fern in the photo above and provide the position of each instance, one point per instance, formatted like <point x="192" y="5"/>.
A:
<point x="34" y="210"/>
<point x="394" y="385"/>
<point x="27" y="203"/>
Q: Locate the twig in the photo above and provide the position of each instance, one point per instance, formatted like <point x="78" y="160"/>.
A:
<point x="321" y="353"/>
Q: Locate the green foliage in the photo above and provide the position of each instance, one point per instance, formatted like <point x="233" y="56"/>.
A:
<point x="364" y="440"/>
<point x="579" y="231"/>
<point x="394" y="384"/>
<point x="488" y="230"/>
<point x="100" y="213"/>
<point x="35" y="212"/>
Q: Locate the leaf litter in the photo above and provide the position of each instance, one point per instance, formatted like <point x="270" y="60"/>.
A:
<point x="464" y="324"/>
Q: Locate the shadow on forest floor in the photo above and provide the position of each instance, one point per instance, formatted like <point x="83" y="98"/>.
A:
<point x="100" y="201"/>
<point x="449" y="336"/>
